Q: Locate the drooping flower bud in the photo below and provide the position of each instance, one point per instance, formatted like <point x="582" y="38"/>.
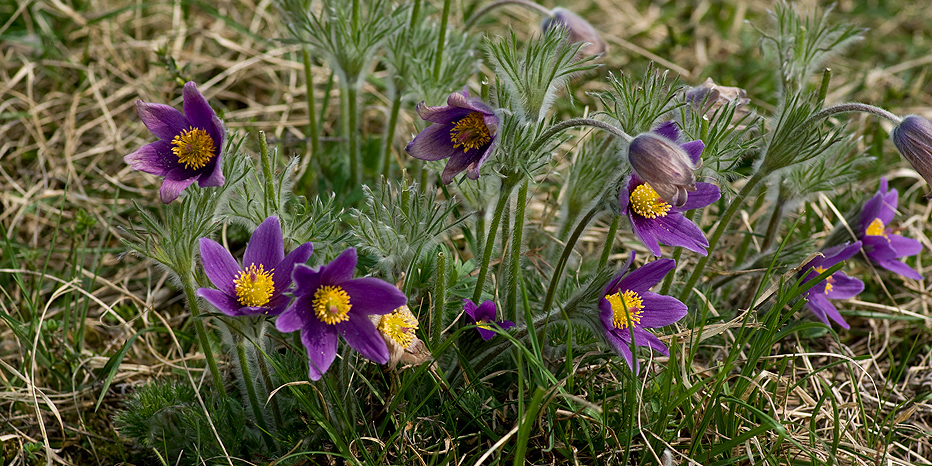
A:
<point x="665" y="164"/>
<point x="913" y="138"/>
<point x="577" y="30"/>
<point x="708" y="97"/>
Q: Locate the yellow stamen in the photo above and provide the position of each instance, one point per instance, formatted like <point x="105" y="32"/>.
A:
<point x="331" y="304"/>
<point x="876" y="228"/>
<point x="194" y="148"/>
<point x="400" y="326"/>
<point x="254" y="286"/>
<point x="646" y="202"/>
<point x="828" y="281"/>
<point x="483" y="324"/>
<point x="470" y="132"/>
<point x="625" y="307"/>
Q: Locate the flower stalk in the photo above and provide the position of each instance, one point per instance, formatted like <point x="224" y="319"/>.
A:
<point x="514" y="271"/>
<point x="249" y="382"/>
<point x="508" y="185"/>
<point x="187" y="280"/>
<point x="609" y="242"/>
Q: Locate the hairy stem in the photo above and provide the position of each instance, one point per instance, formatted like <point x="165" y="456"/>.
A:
<point x="609" y="242"/>
<point x="188" y="284"/>
<point x="508" y="185"/>
<point x="511" y="305"/>
<point x="500" y="3"/>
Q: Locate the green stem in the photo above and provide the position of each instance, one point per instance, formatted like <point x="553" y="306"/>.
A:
<point x="440" y="299"/>
<point x="491" y="6"/>
<point x="511" y="305"/>
<point x="415" y="12"/>
<point x="266" y="161"/>
<point x="251" y="392"/>
<point x="724" y="220"/>
<point x="567" y="250"/>
<point x="849" y="108"/>
<point x="352" y="134"/>
<point x="441" y="39"/>
<point x="609" y="242"/>
<point x="507" y="186"/>
<point x="574" y="122"/>
<point x="390" y="135"/>
<point x="188" y="284"/>
<point x="267" y="380"/>
<point x="311" y="114"/>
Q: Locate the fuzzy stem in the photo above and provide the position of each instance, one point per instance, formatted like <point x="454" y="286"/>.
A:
<point x="567" y="250"/>
<point x="823" y="88"/>
<point x="352" y="136"/>
<point x="724" y="220"/>
<point x="251" y="392"/>
<point x="511" y="306"/>
<point x="267" y="380"/>
<point x="441" y="39"/>
<point x="311" y="113"/>
<point x="415" y="11"/>
<point x="508" y="185"/>
<point x="573" y="122"/>
<point x="188" y="284"/>
<point x="491" y="6"/>
<point x="389" y="137"/>
<point x="849" y="108"/>
<point x="440" y="299"/>
<point x="609" y="242"/>
<point x="266" y="161"/>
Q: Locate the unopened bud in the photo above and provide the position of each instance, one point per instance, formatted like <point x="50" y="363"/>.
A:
<point x="577" y="30"/>
<point x="665" y="165"/>
<point x="913" y="138"/>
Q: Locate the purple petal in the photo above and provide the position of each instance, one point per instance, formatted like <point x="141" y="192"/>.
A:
<point x="694" y="149"/>
<point x="283" y="273"/>
<point x="900" y="268"/>
<point x="644" y="229"/>
<point x="823" y="309"/>
<point x="612" y="286"/>
<point x="705" y="194"/>
<point x="360" y="333"/>
<point x="219" y="265"/>
<point x="485" y="333"/>
<point x="677" y="230"/>
<point x="225" y="303"/>
<point x="486" y="311"/>
<point x="660" y="310"/>
<point x="444" y="114"/>
<point x="668" y="129"/>
<point x="156" y="158"/>
<point x="320" y="340"/>
<point x="292" y="318"/>
<point x="505" y="324"/>
<point x="643" y="278"/>
<point x="162" y="120"/>
<point x="196" y="108"/>
<point x="472" y="171"/>
<point x="276" y="304"/>
<point x="266" y="246"/>
<point x="645" y="338"/>
<point x="839" y="253"/>
<point x="171" y="189"/>
<point x="844" y="287"/>
<point x="306" y="280"/>
<point x="903" y="246"/>
<point x="470" y="308"/>
<point x="621" y="348"/>
<point x="340" y="269"/>
<point x="211" y="175"/>
<point x="433" y="143"/>
<point x="373" y="296"/>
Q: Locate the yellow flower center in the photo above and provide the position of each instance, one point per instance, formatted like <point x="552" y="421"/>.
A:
<point x="400" y="326"/>
<point x="254" y="286"/>
<point x="483" y="324"/>
<point x="331" y="304"/>
<point x="626" y="307"/>
<point x="194" y="148"/>
<point x="828" y="281"/>
<point x="470" y="132"/>
<point x="646" y="202"/>
<point x="876" y="228"/>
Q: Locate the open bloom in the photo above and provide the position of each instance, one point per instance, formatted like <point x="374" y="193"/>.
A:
<point x="654" y="221"/>
<point x="189" y="145"/>
<point x="463" y="130"/>
<point x="577" y="30"/>
<point x="483" y="316"/>
<point x="836" y="286"/>
<point x="913" y="138"/>
<point x="881" y="245"/>
<point x="659" y="159"/>
<point x="399" y="330"/>
<point x="258" y="286"/>
<point x="329" y="301"/>
<point x="628" y="308"/>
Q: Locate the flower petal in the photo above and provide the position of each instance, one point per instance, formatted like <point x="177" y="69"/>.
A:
<point x="433" y="143"/>
<point x="444" y="114"/>
<point x="644" y="277"/>
<point x="675" y="229"/>
<point x="705" y="194"/>
<point x="660" y="310"/>
<point x="900" y="268"/>
<point x="196" y="108"/>
<point x="283" y="272"/>
<point x="486" y="311"/>
<point x="694" y="149"/>
<point x="162" y="120"/>
<point x="470" y="308"/>
<point x="171" y="189"/>
<point x="459" y="162"/>
<point x="211" y="175"/>
<point x="292" y="319"/>
<point x="903" y="246"/>
<point x="225" y="303"/>
<point x="669" y="130"/>
<point x="360" y="333"/>
<point x="320" y="340"/>
<point x="485" y="333"/>
<point x="306" y="280"/>
<point x="844" y="287"/>
<point x="155" y="158"/>
<point x="622" y="349"/>
<point x="266" y="245"/>
<point x="824" y="309"/>
<point x="219" y="265"/>
<point x="644" y="229"/>
<point x="340" y="269"/>
<point x="373" y="296"/>
<point x="645" y="338"/>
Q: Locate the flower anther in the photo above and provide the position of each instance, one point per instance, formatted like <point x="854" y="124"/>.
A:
<point x="876" y="228"/>
<point x="254" y="286"/>
<point x="331" y="304"/>
<point x="194" y="148"/>
<point x="646" y="202"/>
<point x="471" y="132"/>
<point x="626" y="307"/>
<point x="399" y="327"/>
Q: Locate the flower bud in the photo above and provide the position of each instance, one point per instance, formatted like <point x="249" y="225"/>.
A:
<point x="664" y="164"/>
<point x="708" y="97"/>
<point x="577" y="30"/>
<point x="913" y="138"/>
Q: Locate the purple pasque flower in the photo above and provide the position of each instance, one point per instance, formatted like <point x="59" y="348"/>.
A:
<point x="913" y="138"/>
<point x="836" y="286"/>
<point x="189" y="148"/>
<point x="577" y="30"/>
<point x="328" y="301"/>
<point x="881" y="245"/>
<point x="258" y="286"/>
<point x="655" y="221"/>
<point x="668" y="165"/>
<point x="628" y="307"/>
<point x="483" y="316"/>
<point x="464" y="130"/>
